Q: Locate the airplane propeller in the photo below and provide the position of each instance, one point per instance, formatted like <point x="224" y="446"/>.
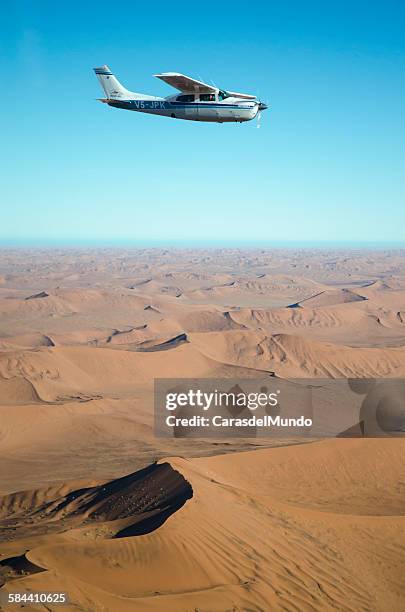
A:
<point x="261" y="106"/>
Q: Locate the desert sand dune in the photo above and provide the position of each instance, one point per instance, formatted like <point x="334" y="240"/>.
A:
<point x="147" y="498"/>
<point x="329" y="297"/>
<point x="17" y="390"/>
<point x="25" y="341"/>
<point x="261" y="290"/>
<point x="359" y="323"/>
<point x="86" y="509"/>
<point x="206" y="320"/>
<point x="59" y="372"/>
<point x="248" y="538"/>
<point x="290" y="355"/>
<point x="159" y="331"/>
<point x="41" y="294"/>
<point x="334" y="321"/>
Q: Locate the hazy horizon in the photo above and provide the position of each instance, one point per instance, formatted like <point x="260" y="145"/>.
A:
<point x="201" y="244"/>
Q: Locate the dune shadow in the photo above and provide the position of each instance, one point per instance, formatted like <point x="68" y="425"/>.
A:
<point x="17" y="567"/>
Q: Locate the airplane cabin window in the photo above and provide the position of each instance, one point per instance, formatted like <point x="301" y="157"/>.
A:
<point x="186" y="98"/>
<point x="222" y="95"/>
<point x="207" y="97"/>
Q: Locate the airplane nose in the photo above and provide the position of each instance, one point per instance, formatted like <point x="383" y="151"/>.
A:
<point x="262" y="106"/>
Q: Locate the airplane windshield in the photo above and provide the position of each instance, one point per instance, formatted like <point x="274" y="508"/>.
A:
<point x="222" y="95"/>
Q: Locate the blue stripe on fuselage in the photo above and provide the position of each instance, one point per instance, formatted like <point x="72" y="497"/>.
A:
<point x="163" y="105"/>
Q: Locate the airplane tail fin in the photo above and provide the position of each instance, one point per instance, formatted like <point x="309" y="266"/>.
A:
<point x="111" y="85"/>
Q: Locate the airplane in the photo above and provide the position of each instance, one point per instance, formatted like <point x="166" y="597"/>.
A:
<point x="197" y="101"/>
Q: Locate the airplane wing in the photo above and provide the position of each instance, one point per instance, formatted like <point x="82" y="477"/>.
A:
<point x="184" y="83"/>
<point x="234" y="94"/>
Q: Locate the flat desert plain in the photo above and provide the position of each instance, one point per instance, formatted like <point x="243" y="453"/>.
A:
<point x="94" y="505"/>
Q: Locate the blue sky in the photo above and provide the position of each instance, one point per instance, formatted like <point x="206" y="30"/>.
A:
<point x="327" y="163"/>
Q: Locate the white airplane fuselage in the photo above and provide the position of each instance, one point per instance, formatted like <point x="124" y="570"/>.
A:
<point x="219" y="111"/>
